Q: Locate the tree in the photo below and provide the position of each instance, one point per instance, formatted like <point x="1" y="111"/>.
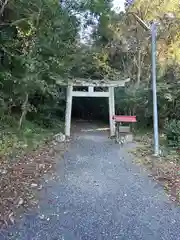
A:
<point x="37" y="41"/>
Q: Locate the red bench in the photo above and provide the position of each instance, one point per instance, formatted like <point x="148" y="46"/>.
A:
<point x="122" y="119"/>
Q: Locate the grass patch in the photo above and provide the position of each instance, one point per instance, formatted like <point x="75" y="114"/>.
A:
<point x="29" y="137"/>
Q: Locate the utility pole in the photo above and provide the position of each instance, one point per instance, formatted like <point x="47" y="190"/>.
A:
<point x="152" y="29"/>
<point x="154" y="86"/>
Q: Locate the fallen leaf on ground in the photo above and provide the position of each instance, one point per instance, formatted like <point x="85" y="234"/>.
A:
<point x="20" y="179"/>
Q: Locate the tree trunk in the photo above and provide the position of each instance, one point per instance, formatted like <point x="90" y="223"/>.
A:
<point x="24" y="111"/>
<point x="139" y="68"/>
<point x="3" y="7"/>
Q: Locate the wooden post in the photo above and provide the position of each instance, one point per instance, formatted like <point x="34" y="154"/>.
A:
<point x="68" y="111"/>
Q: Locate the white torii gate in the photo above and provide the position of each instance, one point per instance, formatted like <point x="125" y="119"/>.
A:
<point x="91" y="84"/>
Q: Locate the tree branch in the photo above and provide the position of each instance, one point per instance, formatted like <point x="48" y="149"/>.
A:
<point x="3" y="7"/>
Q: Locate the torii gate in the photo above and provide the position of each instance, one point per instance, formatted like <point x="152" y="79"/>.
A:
<point x="91" y="84"/>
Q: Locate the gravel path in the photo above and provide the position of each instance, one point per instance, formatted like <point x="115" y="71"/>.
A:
<point x="100" y="195"/>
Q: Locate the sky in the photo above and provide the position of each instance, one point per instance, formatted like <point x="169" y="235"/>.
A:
<point x="119" y="4"/>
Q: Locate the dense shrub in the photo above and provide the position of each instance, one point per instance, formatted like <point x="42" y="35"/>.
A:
<point x="172" y="131"/>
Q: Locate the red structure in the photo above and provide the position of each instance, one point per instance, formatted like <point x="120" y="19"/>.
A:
<point x="128" y="119"/>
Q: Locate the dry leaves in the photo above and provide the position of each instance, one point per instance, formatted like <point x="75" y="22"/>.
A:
<point x="20" y="177"/>
<point x="165" y="169"/>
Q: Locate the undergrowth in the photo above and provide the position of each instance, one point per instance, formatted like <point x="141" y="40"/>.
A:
<point x="28" y="138"/>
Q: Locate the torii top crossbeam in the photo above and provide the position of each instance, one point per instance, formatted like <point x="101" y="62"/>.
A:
<point x="80" y="82"/>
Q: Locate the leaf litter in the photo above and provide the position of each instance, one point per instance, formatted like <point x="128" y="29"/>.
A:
<point x="21" y="178"/>
<point x="164" y="169"/>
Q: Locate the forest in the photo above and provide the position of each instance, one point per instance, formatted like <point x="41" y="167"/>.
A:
<point x="44" y="41"/>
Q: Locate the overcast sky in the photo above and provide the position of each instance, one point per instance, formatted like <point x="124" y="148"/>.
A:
<point x="119" y="4"/>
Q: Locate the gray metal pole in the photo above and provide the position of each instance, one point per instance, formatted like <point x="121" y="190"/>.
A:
<point x="155" y="110"/>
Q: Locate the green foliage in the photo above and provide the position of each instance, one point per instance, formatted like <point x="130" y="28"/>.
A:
<point x="37" y="40"/>
<point x="14" y="142"/>
<point x="172" y="131"/>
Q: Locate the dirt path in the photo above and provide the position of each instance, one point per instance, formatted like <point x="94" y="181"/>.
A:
<point x="99" y="194"/>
